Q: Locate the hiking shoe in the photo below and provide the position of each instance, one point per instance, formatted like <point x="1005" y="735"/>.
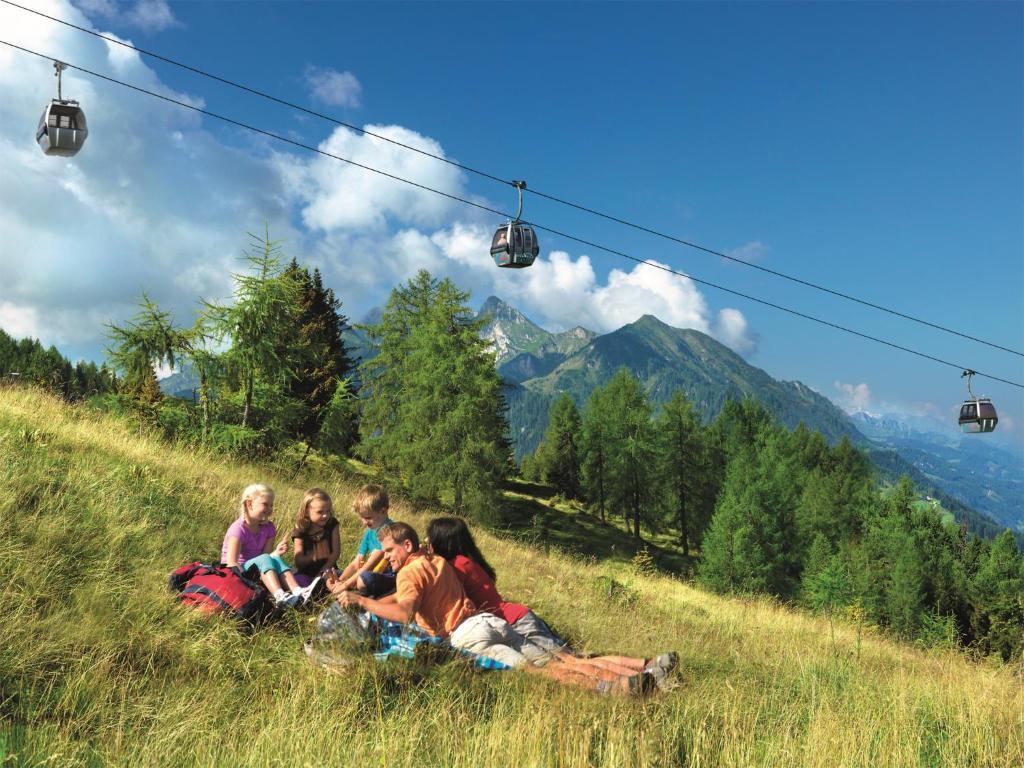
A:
<point x="666" y="661"/>
<point x="660" y="669"/>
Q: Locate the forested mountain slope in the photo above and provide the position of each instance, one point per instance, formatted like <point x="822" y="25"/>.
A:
<point x="665" y="359"/>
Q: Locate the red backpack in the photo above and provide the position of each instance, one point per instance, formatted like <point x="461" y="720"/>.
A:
<point x="218" y="589"/>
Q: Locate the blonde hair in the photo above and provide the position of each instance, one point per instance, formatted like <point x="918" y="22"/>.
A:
<point x="371" y="498"/>
<point x="251" y="492"/>
<point x="302" y="522"/>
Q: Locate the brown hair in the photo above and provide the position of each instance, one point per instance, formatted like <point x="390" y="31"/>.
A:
<point x="400" y="533"/>
<point x="302" y="522"/>
<point x="371" y="498"/>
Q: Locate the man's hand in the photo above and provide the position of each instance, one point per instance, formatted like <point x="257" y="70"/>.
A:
<point x="349" y="600"/>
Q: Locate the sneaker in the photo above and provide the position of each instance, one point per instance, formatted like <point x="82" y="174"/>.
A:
<point x="660" y="668"/>
<point x="307" y="592"/>
<point x="289" y="601"/>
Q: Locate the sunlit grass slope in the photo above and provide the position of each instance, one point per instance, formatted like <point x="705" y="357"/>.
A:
<point x="98" y="665"/>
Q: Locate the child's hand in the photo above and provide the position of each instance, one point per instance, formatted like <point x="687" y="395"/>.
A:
<point x="281" y="547"/>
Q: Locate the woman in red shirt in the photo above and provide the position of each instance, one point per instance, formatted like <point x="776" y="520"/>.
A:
<point x="450" y="538"/>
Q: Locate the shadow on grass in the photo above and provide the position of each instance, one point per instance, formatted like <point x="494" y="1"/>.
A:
<point x="532" y="514"/>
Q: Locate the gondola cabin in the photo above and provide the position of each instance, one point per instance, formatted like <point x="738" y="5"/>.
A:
<point x="514" y="245"/>
<point x="62" y="128"/>
<point x="978" y="415"/>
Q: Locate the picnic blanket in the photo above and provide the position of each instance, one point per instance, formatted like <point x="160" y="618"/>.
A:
<point x="341" y="635"/>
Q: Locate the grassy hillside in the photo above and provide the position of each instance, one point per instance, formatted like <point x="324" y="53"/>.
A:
<point x="98" y="665"/>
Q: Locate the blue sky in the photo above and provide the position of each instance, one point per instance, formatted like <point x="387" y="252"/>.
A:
<point x="873" y="148"/>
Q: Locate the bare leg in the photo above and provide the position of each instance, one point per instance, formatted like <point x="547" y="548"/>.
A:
<point x="620" y="665"/>
<point x="580" y="676"/>
<point x="270" y="581"/>
<point x="289" y="579"/>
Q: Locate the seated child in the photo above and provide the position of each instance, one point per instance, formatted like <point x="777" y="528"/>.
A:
<point x="315" y="538"/>
<point x="249" y="542"/>
<point x="369" y="572"/>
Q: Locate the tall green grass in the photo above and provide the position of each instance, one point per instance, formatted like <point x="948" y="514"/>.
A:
<point x="100" y="666"/>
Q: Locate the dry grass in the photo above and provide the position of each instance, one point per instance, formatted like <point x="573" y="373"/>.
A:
<point x="98" y="664"/>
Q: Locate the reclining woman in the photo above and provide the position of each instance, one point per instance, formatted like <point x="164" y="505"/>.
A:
<point x="450" y="538"/>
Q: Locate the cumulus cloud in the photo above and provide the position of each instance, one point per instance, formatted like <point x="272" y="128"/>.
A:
<point x="158" y="203"/>
<point x="153" y="202"/>
<point x="146" y="15"/>
<point x="329" y="86"/>
<point x="337" y="196"/>
<point x="853" y="397"/>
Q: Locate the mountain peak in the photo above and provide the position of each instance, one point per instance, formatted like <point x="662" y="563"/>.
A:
<point x="500" y="309"/>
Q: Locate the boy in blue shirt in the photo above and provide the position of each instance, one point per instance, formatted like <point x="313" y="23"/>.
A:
<point x="369" y="572"/>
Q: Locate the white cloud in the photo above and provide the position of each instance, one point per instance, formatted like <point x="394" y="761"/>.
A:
<point x="338" y="89"/>
<point x="731" y="329"/>
<point x="153" y="202"/>
<point x="147" y="15"/>
<point x="754" y="250"/>
<point x="21" y="322"/>
<point x="853" y="397"/>
<point x="157" y="202"/>
<point x="336" y="196"/>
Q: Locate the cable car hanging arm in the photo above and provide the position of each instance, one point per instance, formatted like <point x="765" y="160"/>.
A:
<point x="59" y="66"/>
<point x="520" y="185"/>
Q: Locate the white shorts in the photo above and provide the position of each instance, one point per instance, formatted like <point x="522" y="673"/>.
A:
<point x="487" y="635"/>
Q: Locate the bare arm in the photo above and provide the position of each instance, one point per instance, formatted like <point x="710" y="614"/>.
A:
<point x="351" y="569"/>
<point x="332" y="559"/>
<point x="369" y="564"/>
<point x="393" y="610"/>
<point x="234" y="545"/>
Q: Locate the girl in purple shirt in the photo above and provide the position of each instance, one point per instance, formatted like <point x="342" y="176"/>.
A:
<point x="249" y="542"/>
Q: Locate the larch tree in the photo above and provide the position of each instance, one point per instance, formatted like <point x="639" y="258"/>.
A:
<point x="433" y="405"/>
<point x="680" y="464"/>
<point x="561" y="457"/>
<point x="262" y="314"/>
<point x="631" y="449"/>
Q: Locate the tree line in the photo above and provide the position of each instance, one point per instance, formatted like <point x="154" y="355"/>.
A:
<point x="780" y="512"/>
<point x="26" y="360"/>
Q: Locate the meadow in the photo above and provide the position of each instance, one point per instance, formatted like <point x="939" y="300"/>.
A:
<point x="100" y="666"/>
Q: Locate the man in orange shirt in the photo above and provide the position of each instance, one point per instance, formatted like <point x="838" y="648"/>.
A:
<point x="429" y="592"/>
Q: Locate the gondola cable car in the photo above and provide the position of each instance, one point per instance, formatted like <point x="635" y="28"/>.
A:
<point x="977" y="414"/>
<point x="515" y="244"/>
<point x="62" y="128"/>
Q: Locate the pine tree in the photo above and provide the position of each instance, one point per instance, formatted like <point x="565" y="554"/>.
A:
<point x="265" y="302"/>
<point x="314" y="350"/>
<point x="595" y="449"/>
<point x="680" y="464"/>
<point x="749" y="544"/>
<point x="561" y="461"/>
<point x="997" y="598"/>
<point x="630" y="449"/>
<point x="433" y="401"/>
